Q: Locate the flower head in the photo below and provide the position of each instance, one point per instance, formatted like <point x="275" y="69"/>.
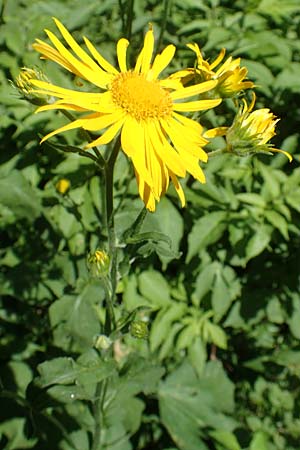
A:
<point x="250" y="131"/>
<point x="146" y="111"/>
<point x="230" y="76"/>
<point x="25" y="87"/>
<point x="98" y="263"/>
<point x="63" y="185"/>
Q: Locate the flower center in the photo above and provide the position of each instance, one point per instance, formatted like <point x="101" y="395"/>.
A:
<point x="140" y="98"/>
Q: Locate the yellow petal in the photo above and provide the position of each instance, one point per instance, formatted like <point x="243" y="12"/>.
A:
<point x="178" y="189"/>
<point x="144" y="59"/>
<point x="108" y="136"/>
<point x="165" y="151"/>
<point x="99" y="58"/>
<point x="198" y="105"/>
<point x="162" y="61"/>
<point x="133" y="144"/>
<point x="121" y="54"/>
<point x="287" y="154"/>
<point x="214" y="132"/>
<point x="194" y="90"/>
<point x="95" y="76"/>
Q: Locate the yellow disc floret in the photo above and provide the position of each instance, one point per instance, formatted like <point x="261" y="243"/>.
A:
<point x="140" y="98"/>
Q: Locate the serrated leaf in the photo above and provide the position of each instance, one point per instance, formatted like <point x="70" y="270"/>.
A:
<point x="258" y="243"/>
<point x="215" y="334"/>
<point x="207" y="230"/>
<point x="17" y="194"/>
<point x="227" y="439"/>
<point x="154" y="288"/>
<point x="163" y="323"/>
<point x="278" y="221"/>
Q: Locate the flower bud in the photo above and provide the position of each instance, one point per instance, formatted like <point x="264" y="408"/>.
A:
<point x="250" y="132"/>
<point x="139" y="329"/>
<point x="63" y="185"/>
<point x="102" y="342"/>
<point x="98" y="263"/>
<point x="26" y="88"/>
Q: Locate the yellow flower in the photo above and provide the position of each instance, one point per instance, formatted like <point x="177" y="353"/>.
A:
<point x="230" y="76"/>
<point x="63" y="185"/>
<point x="162" y="143"/>
<point x="98" y="263"/>
<point x="25" y="88"/>
<point x="250" y="131"/>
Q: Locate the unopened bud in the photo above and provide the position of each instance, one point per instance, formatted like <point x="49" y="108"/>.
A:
<point x="139" y="329"/>
<point x="98" y="263"/>
<point x="102" y="342"/>
<point x="26" y="88"/>
<point x="62" y="186"/>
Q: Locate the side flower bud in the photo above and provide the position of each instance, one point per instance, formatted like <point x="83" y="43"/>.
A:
<point x="139" y="329"/>
<point x="250" y="132"/>
<point x="63" y="185"/>
<point x="102" y="342"/>
<point x="24" y="84"/>
<point x="98" y="263"/>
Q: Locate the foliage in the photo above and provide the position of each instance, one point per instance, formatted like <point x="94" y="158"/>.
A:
<point x="217" y="282"/>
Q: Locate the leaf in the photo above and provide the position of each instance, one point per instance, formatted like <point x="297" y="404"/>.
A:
<point x="215" y="334"/>
<point x="163" y="322"/>
<point x="74" y="319"/>
<point x="169" y="222"/>
<point x="294" y="320"/>
<point x="204" y="282"/>
<point x="226" y="438"/>
<point x="278" y="221"/>
<point x="221" y="297"/>
<point x="207" y="230"/>
<point x="66" y="371"/>
<point x="251" y="199"/>
<point x="17" y="194"/>
<point x="154" y="288"/>
<point x="258" y="243"/>
<point x="259" y="441"/>
<point x="189" y="404"/>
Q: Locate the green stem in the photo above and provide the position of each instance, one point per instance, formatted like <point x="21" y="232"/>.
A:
<point x="167" y="5"/>
<point x="97" y="412"/>
<point x="87" y="135"/>
<point x="109" y="211"/>
<point x="129" y="19"/>
<point x="218" y="152"/>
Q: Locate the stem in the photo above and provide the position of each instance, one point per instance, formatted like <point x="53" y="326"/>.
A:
<point x="218" y="152"/>
<point x="109" y="210"/>
<point x="87" y="135"/>
<point x="167" y="4"/>
<point x="97" y="411"/>
<point x="129" y="19"/>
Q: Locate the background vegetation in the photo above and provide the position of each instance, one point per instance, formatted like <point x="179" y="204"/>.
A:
<point x="221" y="367"/>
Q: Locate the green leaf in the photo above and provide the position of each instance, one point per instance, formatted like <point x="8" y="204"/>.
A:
<point x="278" y="221"/>
<point x="215" y="334"/>
<point x="221" y="297"/>
<point x="204" y="282"/>
<point x="74" y="319"/>
<point x="226" y="438"/>
<point x="17" y="194"/>
<point x="207" y="230"/>
<point x="66" y="371"/>
<point x="260" y="441"/>
<point x="251" y="199"/>
<point x="162" y="324"/>
<point x="258" y="243"/>
<point x="189" y="404"/>
<point x="168" y="221"/>
<point x="294" y="320"/>
<point x="154" y="288"/>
